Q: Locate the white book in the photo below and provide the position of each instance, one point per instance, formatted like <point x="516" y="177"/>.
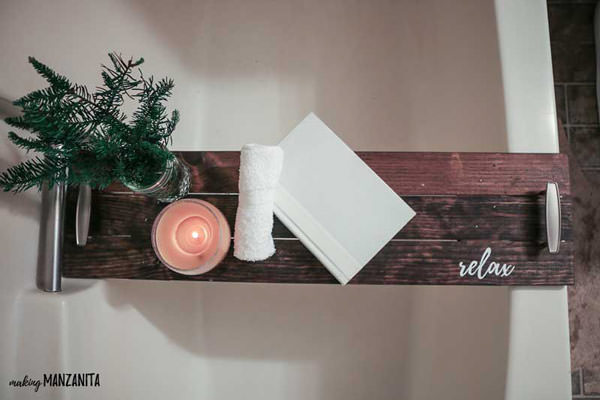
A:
<point x="338" y="207"/>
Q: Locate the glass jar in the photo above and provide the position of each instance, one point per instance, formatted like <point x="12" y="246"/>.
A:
<point x="173" y="184"/>
<point x="191" y="236"/>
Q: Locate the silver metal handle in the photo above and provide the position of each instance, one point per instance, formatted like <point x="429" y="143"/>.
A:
<point x="553" y="220"/>
<point x="51" y="239"/>
<point x="82" y="217"/>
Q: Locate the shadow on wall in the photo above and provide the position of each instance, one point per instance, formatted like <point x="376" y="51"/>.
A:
<point x="386" y="75"/>
<point x="390" y="69"/>
<point x="390" y="342"/>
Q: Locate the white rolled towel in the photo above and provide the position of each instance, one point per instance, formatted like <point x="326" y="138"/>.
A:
<point x="260" y="168"/>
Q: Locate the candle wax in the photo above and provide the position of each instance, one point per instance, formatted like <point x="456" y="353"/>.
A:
<point x="191" y="236"/>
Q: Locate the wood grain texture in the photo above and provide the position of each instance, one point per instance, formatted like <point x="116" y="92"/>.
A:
<point x="400" y="262"/>
<point x="464" y="202"/>
<point x="516" y="218"/>
<point x="412" y="173"/>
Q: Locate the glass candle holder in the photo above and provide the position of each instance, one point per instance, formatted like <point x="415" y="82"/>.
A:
<point x="190" y="236"/>
<point x="173" y="183"/>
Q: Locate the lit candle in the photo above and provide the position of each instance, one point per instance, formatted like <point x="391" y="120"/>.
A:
<point x="193" y="235"/>
<point x="190" y="236"/>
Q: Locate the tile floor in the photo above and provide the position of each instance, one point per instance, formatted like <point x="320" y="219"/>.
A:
<point x="574" y="64"/>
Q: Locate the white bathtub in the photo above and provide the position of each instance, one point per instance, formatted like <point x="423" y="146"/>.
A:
<point x="386" y="75"/>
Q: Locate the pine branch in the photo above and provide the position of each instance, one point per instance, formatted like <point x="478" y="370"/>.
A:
<point x="52" y="77"/>
<point x="172" y="123"/>
<point x="32" y="173"/>
<point x="88" y="133"/>
<point x="29" y="144"/>
<point x="19" y="122"/>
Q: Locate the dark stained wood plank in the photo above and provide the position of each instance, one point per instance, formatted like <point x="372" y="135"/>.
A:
<point x="464" y="174"/>
<point x="516" y="218"/>
<point x="412" y="173"/>
<point x="400" y="262"/>
<point x="464" y="203"/>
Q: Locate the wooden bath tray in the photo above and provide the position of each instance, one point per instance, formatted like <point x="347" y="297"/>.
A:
<point x="465" y="203"/>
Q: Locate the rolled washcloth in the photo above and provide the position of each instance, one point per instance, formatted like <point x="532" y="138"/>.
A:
<point x="260" y="167"/>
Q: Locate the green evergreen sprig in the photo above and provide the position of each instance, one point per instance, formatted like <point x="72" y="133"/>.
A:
<point x="85" y="137"/>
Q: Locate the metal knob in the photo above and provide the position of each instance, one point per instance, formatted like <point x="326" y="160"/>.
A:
<point x="82" y="217"/>
<point x="553" y="218"/>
